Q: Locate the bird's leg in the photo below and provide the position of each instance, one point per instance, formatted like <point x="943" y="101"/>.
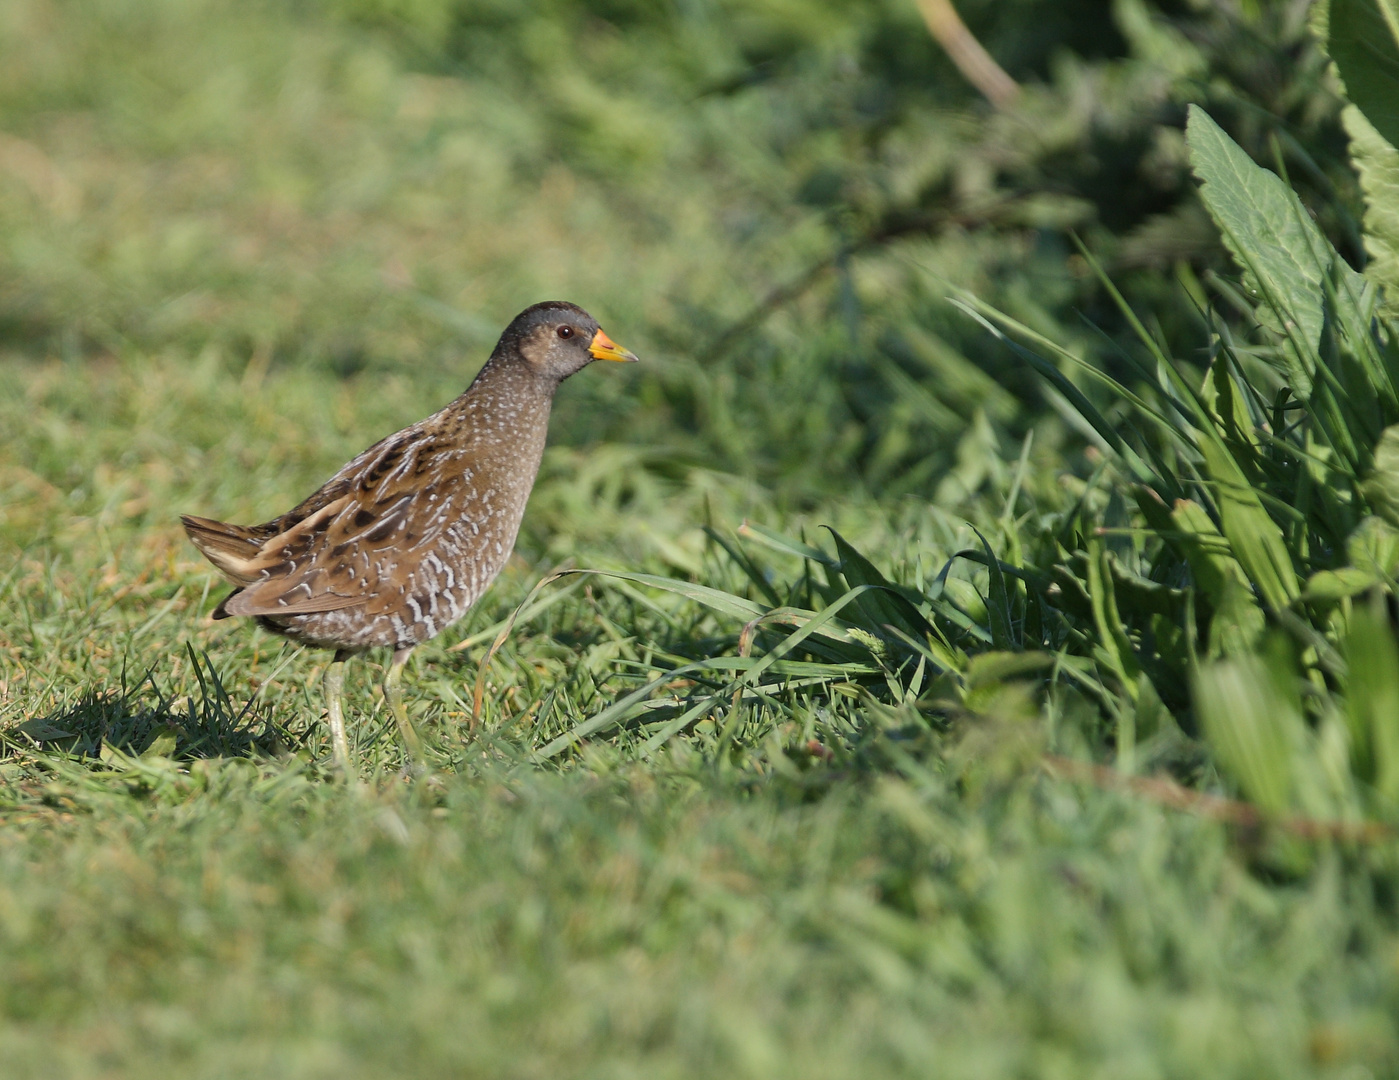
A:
<point x="393" y="694"/>
<point x="335" y="713"/>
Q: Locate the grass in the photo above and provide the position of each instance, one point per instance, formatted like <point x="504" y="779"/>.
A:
<point x="646" y="923"/>
<point x="727" y="907"/>
<point x="243" y="920"/>
<point x="753" y="798"/>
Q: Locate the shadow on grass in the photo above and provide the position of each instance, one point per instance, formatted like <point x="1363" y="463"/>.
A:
<point x="202" y="725"/>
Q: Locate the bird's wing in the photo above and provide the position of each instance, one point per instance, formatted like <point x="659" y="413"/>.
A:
<point x="363" y="531"/>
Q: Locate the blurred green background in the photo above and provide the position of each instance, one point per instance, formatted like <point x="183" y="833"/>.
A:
<point x="770" y="201"/>
<point x="240" y="241"/>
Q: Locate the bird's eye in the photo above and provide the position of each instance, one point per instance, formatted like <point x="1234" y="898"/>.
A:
<point x="565" y="331"/>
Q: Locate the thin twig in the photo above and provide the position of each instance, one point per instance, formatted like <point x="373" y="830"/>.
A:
<point x="779" y="297"/>
<point x="1166" y="792"/>
<point x="896" y="225"/>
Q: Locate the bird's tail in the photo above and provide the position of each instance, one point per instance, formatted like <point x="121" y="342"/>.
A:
<point x="231" y="548"/>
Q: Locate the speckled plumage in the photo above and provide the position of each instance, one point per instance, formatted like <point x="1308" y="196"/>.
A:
<point x="399" y="543"/>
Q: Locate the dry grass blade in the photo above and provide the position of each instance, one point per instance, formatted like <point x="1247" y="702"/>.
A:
<point x="970" y="56"/>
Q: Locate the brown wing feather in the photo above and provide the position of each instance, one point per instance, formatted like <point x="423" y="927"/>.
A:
<point x="239" y="603"/>
<point x="337" y="552"/>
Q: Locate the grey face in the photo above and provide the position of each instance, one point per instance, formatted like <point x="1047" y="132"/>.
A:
<point x="555" y="340"/>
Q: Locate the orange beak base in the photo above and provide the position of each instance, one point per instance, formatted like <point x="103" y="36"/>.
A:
<point x="604" y="348"/>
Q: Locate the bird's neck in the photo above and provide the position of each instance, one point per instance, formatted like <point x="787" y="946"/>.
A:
<point x="505" y="376"/>
<point x="507" y="406"/>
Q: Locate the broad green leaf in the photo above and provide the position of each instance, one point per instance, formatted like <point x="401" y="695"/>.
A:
<point x="1283" y="254"/>
<point x="1253" y="536"/>
<point x="1378" y="163"/>
<point x="1363" y="40"/>
<point x="1141" y="595"/>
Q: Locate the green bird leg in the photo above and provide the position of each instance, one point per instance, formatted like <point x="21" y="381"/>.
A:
<point x="393" y="694"/>
<point x="335" y="713"/>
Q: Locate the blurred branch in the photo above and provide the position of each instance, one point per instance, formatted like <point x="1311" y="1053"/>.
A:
<point x="971" y="58"/>
<point x="777" y="298"/>
<point x="1165" y="792"/>
<point x="895" y="225"/>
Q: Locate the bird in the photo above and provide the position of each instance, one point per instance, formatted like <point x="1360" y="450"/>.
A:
<point x="407" y="536"/>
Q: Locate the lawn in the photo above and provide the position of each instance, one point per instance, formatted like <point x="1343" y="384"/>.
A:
<point x="970" y="654"/>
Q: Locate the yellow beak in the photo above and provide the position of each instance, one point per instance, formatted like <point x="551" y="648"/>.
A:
<point x="604" y="348"/>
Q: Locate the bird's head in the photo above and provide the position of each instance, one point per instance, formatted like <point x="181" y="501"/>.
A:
<point x="557" y="338"/>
